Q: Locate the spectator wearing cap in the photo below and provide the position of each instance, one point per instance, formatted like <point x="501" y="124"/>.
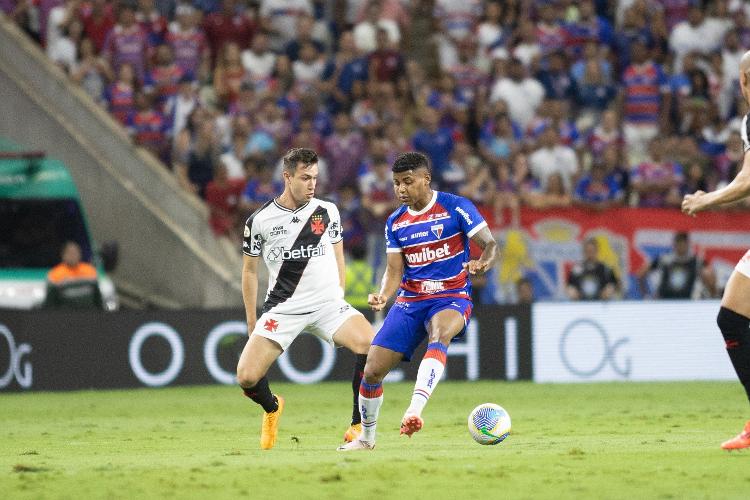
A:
<point x="189" y="44"/>
<point x="645" y="102"/>
<point x="522" y="93"/>
<point x="127" y="43"/>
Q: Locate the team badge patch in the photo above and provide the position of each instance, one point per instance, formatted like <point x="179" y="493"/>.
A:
<point x="316" y="224"/>
<point x="271" y="325"/>
<point x="437" y="230"/>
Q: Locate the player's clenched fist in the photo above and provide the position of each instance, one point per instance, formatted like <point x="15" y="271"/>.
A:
<point x="692" y="203"/>
<point x="376" y="301"/>
<point x="476" y="267"/>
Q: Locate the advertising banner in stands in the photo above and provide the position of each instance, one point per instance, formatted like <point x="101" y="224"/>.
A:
<point x="548" y="244"/>
<point x="628" y="341"/>
<point x="80" y="350"/>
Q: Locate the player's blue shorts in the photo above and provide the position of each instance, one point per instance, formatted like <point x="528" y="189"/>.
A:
<point x="405" y="326"/>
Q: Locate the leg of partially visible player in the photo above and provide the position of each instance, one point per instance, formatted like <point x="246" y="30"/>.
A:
<point x="355" y="334"/>
<point x="442" y="327"/>
<point x="256" y="358"/>
<point x="734" y="321"/>
<point x="380" y="361"/>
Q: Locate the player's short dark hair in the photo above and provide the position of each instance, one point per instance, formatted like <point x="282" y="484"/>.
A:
<point x="411" y="160"/>
<point x="295" y="156"/>
<point x="681" y="236"/>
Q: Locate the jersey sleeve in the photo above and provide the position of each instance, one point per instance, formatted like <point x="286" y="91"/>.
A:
<point x="469" y="219"/>
<point x="745" y="133"/>
<point x="335" y="232"/>
<point x="391" y="242"/>
<point x="252" y="239"/>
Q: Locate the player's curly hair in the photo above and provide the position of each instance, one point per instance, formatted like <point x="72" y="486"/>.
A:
<point x="295" y="156"/>
<point x="411" y="160"/>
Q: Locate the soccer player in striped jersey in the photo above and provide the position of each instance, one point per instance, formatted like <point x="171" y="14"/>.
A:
<point x="427" y="245"/>
<point x="734" y="314"/>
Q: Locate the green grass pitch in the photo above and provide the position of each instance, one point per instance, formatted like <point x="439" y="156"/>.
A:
<point x="635" y="440"/>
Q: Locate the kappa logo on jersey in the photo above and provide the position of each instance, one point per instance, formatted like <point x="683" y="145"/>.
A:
<point x="316" y="224"/>
<point x="295" y="220"/>
<point x="271" y="325"/>
<point x="305" y="252"/>
<point x="464" y="215"/>
<point x="437" y="230"/>
<point x="428" y="254"/>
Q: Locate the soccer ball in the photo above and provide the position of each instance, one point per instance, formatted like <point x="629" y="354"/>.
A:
<point x="489" y="423"/>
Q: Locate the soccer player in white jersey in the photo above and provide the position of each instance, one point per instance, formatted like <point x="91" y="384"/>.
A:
<point x="300" y="240"/>
<point x="427" y="245"/>
<point x="734" y="314"/>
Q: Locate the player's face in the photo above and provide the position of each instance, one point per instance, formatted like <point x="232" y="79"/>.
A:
<point x="412" y="187"/>
<point x="302" y="184"/>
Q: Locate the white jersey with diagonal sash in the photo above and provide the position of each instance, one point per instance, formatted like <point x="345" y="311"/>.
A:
<point x="297" y="247"/>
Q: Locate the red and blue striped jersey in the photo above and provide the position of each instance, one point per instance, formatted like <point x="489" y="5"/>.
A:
<point x="434" y="243"/>
<point x="644" y="86"/>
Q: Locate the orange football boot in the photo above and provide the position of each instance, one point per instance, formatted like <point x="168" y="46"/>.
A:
<point x="739" y="442"/>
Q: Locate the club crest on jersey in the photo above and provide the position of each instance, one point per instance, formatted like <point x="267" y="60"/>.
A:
<point x="437" y="230"/>
<point x="316" y="224"/>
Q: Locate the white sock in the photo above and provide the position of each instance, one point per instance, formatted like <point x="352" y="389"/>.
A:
<point x="370" y="399"/>
<point x="430" y="371"/>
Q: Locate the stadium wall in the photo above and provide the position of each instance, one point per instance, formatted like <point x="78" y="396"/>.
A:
<point x="169" y="255"/>
<point x="546" y="342"/>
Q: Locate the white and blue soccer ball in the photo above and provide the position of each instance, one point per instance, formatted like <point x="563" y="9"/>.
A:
<point x="489" y="423"/>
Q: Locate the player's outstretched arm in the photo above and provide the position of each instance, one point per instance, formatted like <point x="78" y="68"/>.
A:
<point x="250" y="289"/>
<point x="734" y="191"/>
<point x="483" y="238"/>
<point x="394" y="272"/>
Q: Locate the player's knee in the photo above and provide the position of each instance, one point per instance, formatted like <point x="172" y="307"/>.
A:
<point x="373" y="374"/>
<point x="734" y="327"/>
<point x="246" y="377"/>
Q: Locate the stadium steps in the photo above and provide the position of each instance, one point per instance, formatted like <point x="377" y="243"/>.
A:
<point x="168" y="255"/>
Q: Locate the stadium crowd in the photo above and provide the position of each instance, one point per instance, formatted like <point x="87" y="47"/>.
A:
<point x="539" y="103"/>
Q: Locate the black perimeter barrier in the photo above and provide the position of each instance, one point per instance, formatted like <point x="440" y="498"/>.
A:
<point x="56" y="350"/>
